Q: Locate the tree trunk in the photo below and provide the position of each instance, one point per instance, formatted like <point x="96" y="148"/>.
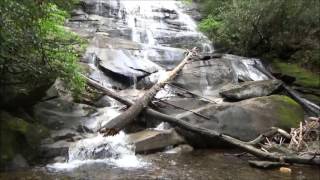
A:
<point x="128" y="116"/>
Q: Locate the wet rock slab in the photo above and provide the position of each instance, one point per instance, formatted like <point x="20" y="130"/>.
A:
<point x="244" y="120"/>
<point x="150" y="140"/>
<point x="125" y="63"/>
<point x="250" y="89"/>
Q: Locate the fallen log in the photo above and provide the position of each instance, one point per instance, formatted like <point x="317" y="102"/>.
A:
<point x="310" y="107"/>
<point x="128" y="116"/>
<point x="245" y="146"/>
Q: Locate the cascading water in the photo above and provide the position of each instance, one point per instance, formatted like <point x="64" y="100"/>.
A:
<point x="113" y="150"/>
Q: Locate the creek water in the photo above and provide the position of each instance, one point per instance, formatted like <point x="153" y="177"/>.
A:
<point x="200" y="164"/>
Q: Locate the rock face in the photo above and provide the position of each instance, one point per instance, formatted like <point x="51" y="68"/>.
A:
<point x="149" y="140"/>
<point x="246" y="119"/>
<point x="205" y="77"/>
<point x="60" y="113"/>
<point x="250" y="89"/>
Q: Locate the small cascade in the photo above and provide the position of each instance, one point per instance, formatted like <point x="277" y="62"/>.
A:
<point x="112" y="150"/>
<point x="244" y="69"/>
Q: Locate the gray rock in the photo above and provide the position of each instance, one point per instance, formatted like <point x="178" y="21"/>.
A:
<point x="205" y="77"/>
<point x="103" y="40"/>
<point x="244" y="68"/>
<point x="266" y="164"/>
<point x="104" y="101"/>
<point x="58" y="90"/>
<point x="150" y="140"/>
<point x="250" y="89"/>
<point x="64" y="134"/>
<point x="60" y="113"/>
<point x="97" y="120"/>
<point x="244" y="120"/>
<point x="102" y="8"/>
<point x="51" y="150"/>
<point x="18" y="162"/>
<point x="123" y="62"/>
<point x="59" y="159"/>
<point x="167" y="57"/>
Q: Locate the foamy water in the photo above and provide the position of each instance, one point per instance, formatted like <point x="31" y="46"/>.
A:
<point x="116" y="149"/>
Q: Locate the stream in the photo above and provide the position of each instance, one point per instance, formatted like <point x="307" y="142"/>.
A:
<point x="131" y="45"/>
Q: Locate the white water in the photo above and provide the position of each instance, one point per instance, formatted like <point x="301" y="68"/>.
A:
<point x="119" y="153"/>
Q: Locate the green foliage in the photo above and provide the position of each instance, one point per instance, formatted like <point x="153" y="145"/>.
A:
<point x="258" y="27"/>
<point x="210" y="26"/>
<point x="35" y="48"/>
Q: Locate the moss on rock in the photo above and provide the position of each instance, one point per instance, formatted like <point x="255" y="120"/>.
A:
<point x="19" y="137"/>
<point x="304" y="77"/>
<point x="290" y="113"/>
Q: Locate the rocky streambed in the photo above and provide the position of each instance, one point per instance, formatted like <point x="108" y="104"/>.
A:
<point x="131" y="45"/>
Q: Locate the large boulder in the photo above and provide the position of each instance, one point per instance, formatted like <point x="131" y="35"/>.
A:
<point x="244" y="120"/>
<point x="250" y="89"/>
<point x="149" y="140"/>
<point x="125" y="63"/>
<point x="18" y="136"/>
<point x="60" y="113"/>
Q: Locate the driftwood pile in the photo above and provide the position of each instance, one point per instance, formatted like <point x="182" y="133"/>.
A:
<point x="303" y="137"/>
<point x="288" y="145"/>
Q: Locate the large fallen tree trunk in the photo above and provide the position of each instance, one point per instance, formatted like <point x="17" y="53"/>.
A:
<point x="308" y="106"/>
<point x="245" y="146"/>
<point x="128" y="116"/>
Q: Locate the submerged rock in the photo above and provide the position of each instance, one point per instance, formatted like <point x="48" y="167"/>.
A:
<point x="244" y="120"/>
<point x="250" y="89"/>
<point x="150" y="140"/>
<point x="266" y="164"/>
<point x="183" y="148"/>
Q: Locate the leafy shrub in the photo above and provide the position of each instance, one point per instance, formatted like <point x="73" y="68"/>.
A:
<point x="256" y="28"/>
<point x="35" y="48"/>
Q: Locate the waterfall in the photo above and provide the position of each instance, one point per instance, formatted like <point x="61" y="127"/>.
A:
<point x="136" y="34"/>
